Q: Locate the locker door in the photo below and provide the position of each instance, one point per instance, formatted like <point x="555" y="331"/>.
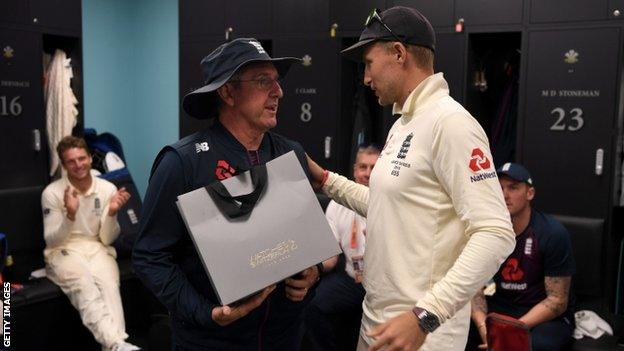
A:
<point x="308" y="112"/>
<point x="476" y="12"/>
<point x="21" y="111"/>
<point x="191" y="78"/>
<point x="351" y="14"/>
<point x="569" y="117"/>
<point x="567" y="10"/>
<point x="249" y="18"/>
<point x="65" y="14"/>
<point x="296" y="16"/>
<point x="202" y="18"/>
<point x="14" y="11"/>
<point x="449" y="59"/>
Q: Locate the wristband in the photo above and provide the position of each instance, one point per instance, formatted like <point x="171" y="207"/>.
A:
<point x="325" y="176"/>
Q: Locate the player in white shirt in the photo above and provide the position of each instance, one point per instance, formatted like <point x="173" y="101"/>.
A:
<point x="437" y="224"/>
<point x="80" y="225"/>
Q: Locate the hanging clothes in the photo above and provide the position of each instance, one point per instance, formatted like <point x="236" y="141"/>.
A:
<point x="60" y="104"/>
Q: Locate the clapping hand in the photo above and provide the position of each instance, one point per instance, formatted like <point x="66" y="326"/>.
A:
<point x="71" y="203"/>
<point x="118" y="201"/>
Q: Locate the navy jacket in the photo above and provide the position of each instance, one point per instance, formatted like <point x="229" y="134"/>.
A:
<point x="166" y="261"/>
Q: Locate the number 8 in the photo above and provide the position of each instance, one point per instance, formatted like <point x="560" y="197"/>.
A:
<point x="306" y="112"/>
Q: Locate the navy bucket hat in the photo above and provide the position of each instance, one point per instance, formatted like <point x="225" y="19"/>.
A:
<point x="220" y="65"/>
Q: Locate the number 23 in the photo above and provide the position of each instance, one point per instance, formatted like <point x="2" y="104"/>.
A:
<point x="560" y="125"/>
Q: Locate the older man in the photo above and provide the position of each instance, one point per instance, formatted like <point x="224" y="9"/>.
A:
<point x="437" y="226"/>
<point x="241" y="95"/>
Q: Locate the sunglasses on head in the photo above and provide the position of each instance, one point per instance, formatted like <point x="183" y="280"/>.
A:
<point x="374" y="16"/>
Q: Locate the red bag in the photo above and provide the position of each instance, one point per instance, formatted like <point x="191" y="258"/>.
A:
<point x="506" y="333"/>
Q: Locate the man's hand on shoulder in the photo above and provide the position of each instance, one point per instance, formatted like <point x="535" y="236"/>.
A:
<point x="118" y="201"/>
<point x="318" y="173"/>
<point x="224" y="315"/>
<point x="71" y="203"/>
<point x="399" y="333"/>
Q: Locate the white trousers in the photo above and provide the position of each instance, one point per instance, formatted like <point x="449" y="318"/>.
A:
<point x="88" y="274"/>
<point x="450" y="336"/>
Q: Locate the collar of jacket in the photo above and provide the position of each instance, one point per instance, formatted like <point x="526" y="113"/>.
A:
<point x="430" y="89"/>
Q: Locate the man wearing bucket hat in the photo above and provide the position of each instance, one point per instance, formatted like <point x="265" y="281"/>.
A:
<point x="241" y="94"/>
<point x="533" y="284"/>
<point x="437" y="226"/>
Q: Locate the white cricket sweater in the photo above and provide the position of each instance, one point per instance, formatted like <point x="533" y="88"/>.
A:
<point x="437" y="224"/>
<point x="91" y="225"/>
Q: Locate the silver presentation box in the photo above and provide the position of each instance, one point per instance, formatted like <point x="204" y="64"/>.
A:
<point x="285" y="233"/>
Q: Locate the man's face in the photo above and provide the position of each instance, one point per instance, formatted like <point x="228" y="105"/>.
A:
<point x="363" y="167"/>
<point x="77" y="163"/>
<point x="380" y="73"/>
<point x="256" y="96"/>
<point x="518" y="195"/>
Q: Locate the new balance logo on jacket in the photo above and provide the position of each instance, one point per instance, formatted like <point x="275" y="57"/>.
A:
<point x="199" y="147"/>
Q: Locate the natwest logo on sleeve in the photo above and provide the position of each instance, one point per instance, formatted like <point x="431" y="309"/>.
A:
<point x="478" y="161"/>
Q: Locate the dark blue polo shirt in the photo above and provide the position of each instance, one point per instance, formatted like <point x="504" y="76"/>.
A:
<point x="165" y="258"/>
<point x="543" y="249"/>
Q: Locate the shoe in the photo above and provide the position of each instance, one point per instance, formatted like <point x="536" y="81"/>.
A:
<point x="124" y="346"/>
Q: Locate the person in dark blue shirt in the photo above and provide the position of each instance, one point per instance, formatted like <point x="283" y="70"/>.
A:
<point x="533" y="284"/>
<point x="241" y="96"/>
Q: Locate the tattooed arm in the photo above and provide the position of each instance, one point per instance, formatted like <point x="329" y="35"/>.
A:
<point x="479" y="308"/>
<point x="555" y="303"/>
<point x="479" y="311"/>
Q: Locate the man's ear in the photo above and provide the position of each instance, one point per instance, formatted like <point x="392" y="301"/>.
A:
<point x="226" y="93"/>
<point x="400" y="51"/>
<point x="530" y="193"/>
